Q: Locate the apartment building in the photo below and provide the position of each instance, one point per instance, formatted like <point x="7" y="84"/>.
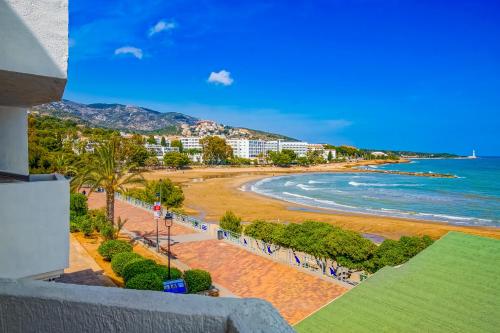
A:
<point x="159" y="151"/>
<point x="191" y="142"/>
<point x="299" y="147"/>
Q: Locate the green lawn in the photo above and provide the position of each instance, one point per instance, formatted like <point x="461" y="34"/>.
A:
<point x="452" y="286"/>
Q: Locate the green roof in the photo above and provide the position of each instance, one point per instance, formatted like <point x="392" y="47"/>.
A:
<point x="452" y="286"/>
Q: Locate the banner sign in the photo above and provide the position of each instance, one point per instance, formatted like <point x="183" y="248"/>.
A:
<point x="175" y="286"/>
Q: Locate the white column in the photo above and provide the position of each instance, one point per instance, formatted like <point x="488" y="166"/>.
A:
<point x="13" y="140"/>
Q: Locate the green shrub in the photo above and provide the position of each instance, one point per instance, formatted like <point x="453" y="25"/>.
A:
<point x="145" y="281"/>
<point x="162" y="272"/>
<point x="197" y="280"/>
<point x="98" y="218"/>
<point x="72" y="215"/>
<point x="78" y="203"/>
<point x="121" y="259"/>
<point x="107" y="231"/>
<point x="138" y="266"/>
<point x="73" y="226"/>
<point x="111" y="247"/>
<point x="85" y="225"/>
<point x="229" y="221"/>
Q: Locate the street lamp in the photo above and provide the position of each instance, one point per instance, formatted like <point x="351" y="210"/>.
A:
<point x="169" y="221"/>
<point x="158" y="213"/>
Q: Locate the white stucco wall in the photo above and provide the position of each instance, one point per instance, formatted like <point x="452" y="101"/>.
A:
<point x="34" y="227"/>
<point x="13" y="140"/>
<point x="34" y="37"/>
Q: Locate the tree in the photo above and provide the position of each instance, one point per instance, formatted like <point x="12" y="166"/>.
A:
<point x="106" y="170"/>
<point x="151" y="140"/>
<point x="176" y="160"/>
<point x="280" y="158"/>
<point x="171" y="195"/>
<point x="303" y="161"/>
<point x="229" y="221"/>
<point x="216" y="150"/>
<point x="178" y="144"/>
<point x="138" y="155"/>
<point x="152" y="161"/>
<point x="330" y="156"/>
<point x="163" y="142"/>
<point x="348" y="248"/>
<point x="315" y="157"/>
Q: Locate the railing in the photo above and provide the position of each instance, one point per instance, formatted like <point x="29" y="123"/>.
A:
<point x="295" y="259"/>
<point x="304" y="261"/>
<point x="185" y="220"/>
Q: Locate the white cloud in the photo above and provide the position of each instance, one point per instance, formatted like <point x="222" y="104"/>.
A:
<point x="161" y="26"/>
<point x="223" y="77"/>
<point x="136" y="52"/>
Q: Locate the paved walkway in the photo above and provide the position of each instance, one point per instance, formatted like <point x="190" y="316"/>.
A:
<point x="82" y="268"/>
<point x="294" y="293"/>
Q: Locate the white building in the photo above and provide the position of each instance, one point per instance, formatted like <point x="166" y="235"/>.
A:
<point x="379" y="154"/>
<point x="245" y="148"/>
<point x="271" y="146"/>
<point x="159" y="151"/>
<point x="299" y="147"/>
<point x="191" y="142"/>
<point x="34" y="209"/>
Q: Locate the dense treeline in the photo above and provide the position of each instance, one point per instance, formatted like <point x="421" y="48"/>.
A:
<point x="347" y="248"/>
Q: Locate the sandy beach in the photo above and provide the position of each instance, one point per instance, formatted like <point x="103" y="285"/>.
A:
<point x="211" y="191"/>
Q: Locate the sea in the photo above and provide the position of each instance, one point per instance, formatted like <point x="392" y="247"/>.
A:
<point x="471" y="199"/>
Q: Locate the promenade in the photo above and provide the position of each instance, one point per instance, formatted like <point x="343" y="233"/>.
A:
<point x="294" y="293"/>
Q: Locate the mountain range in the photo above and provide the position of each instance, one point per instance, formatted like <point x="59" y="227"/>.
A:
<point x="138" y="119"/>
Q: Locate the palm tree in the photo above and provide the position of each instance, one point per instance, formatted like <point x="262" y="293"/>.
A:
<point x="107" y="170"/>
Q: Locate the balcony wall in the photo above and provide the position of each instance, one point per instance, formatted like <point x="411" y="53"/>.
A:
<point x="34" y="227"/>
<point x="13" y="140"/>
<point x="37" y="306"/>
<point x="33" y="52"/>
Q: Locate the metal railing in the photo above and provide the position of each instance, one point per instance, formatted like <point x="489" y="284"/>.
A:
<point x="185" y="220"/>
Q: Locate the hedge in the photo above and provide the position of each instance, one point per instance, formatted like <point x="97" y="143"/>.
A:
<point x="145" y="281"/>
<point x="347" y="248"/>
<point x="138" y="266"/>
<point x="121" y="259"/>
<point x="78" y="203"/>
<point x="197" y="280"/>
<point x="162" y="272"/>
<point x="111" y="247"/>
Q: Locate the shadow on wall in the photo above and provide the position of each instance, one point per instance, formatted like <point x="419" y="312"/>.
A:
<point x="28" y="71"/>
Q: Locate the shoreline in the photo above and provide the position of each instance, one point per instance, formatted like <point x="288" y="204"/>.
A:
<point x="417" y="216"/>
<point x="211" y="191"/>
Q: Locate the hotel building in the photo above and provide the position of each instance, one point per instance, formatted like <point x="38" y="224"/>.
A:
<point x="191" y="142"/>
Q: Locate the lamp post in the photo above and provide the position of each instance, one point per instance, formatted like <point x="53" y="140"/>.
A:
<point x="169" y="220"/>
<point x="157" y="217"/>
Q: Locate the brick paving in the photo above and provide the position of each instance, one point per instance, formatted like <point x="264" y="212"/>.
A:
<point x="294" y="293"/>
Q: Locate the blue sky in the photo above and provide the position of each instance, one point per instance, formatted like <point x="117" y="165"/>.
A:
<point x="416" y="75"/>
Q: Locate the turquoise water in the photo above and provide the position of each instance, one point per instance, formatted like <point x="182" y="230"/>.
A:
<point x="471" y="199"/>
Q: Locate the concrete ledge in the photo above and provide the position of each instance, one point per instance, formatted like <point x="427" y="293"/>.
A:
<point x="20" y="89"/>
<point x="38" y="306"/>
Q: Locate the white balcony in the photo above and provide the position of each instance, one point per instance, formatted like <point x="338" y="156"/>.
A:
<point x="34" y="226"/>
